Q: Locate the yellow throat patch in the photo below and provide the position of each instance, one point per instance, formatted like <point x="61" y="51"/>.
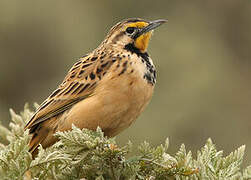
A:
<point x="142" y="41"/>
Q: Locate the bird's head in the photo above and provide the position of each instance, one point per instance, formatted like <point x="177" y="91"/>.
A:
<point x="133" y="32"/>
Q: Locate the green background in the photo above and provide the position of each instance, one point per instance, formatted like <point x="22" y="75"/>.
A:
<point x="203" y="60"/>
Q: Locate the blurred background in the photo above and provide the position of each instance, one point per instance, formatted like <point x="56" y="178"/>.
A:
<point x="203" y="60"/>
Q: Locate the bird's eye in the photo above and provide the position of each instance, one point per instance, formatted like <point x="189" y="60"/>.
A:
<point x="130" y="30"/>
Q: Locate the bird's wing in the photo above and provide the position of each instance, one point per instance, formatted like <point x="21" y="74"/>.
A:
<point x="78" y="85"/>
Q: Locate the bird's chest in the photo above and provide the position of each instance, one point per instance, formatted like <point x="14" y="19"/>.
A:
<point x="122" y="106"/>
<point x="146" y="69"/>
<point x="125" y="93"/>
<point x="135" y="79"/>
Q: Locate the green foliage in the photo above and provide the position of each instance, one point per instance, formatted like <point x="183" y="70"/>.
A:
<point x="90" y="155"/>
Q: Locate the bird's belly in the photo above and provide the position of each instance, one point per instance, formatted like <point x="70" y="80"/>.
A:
<point x="114" y="105"/>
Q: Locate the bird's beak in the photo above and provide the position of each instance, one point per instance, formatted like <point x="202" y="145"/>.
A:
<point x="152" y="25"/>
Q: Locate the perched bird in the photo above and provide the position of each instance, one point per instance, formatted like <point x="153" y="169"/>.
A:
<point x="108" y="87"/>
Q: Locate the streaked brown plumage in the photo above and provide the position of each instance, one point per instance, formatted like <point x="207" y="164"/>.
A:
<point x="108" y="87"/>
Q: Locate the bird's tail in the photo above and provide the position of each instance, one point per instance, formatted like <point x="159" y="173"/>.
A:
<point x="44" y="135"/>
<point x="36" y="139"/>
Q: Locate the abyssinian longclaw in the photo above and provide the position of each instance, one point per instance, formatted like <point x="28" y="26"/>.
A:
<point x="108" y="87"/>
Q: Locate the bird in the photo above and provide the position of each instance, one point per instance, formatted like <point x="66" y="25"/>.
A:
<point x="107" y="88"/>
